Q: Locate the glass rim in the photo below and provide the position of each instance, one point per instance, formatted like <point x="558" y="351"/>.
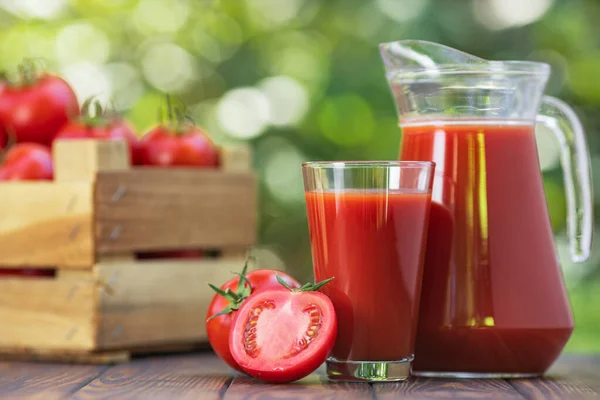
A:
<point x="368" y="164"/>
<point x="510" y="67"/>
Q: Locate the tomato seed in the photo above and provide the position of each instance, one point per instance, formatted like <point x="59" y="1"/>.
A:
<point x="250" y="327"/>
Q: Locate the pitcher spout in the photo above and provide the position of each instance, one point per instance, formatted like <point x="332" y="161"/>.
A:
<point x="432" y="81"/>
<point x="422" y="55"/>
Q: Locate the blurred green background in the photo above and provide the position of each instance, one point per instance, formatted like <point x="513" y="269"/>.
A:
<point x="302" y="80"/>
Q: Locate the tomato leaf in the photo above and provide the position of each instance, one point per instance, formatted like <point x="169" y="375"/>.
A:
<point x="224" y="311"/>
<point x="244" y="287"/>
<point x="235" y="299"/>
<point x="282" y="282"/>
<point x="228" y="294"/>
<point x="307" y="287"/>
<point x="319" y="285"/>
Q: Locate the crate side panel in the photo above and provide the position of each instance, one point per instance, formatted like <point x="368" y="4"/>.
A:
<point x="158" y="302"/>
<point x="47" y="314"/>
<point x="46" y="224"/>
<point x="161" y="209"/>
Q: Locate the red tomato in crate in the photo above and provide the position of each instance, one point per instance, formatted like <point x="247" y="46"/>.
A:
<point x="282" y="335"/>
<point x="104" y="126"/>
<point x="27" y="161"/>
<point x="35" y="108"/>
<point x="182" y="254"/>
<point x="192" y="147"/>
<point x="26" y="272"/>
<point x="222" y="309"/>
<point x="176" y="142"/>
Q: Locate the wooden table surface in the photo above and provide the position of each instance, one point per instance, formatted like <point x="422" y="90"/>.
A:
<point x="203" y="376"/>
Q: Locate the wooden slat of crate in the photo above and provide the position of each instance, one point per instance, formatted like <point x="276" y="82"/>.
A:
<point x="80" y="160"/>
<point x="156" y="302"/>
<point x="102" y="315"/>
<point x="46" y="224"/>
<point x="47" y="314"/>
<point x="160" y="209"/>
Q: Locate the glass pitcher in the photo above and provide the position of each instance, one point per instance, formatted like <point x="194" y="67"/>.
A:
<point x="493" y="300"/>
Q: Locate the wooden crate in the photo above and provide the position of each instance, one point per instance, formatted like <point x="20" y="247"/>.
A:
<point x="104" y="304"/>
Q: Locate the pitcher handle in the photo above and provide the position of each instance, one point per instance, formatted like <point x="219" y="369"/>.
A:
<point x="575" y="160"/>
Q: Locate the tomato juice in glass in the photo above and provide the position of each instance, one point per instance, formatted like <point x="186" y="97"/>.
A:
<point x="492" y="299"/>
<point x="368" y="224"/>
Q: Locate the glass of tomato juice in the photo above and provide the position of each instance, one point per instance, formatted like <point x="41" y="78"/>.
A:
<point x="368" y="224"/>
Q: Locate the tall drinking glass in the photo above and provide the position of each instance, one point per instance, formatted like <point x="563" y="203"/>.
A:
<point x="368" y="223"/>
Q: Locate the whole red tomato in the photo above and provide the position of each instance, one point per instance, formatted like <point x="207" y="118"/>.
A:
<point x="103" y="126"/>
<point x="35" y="108"/>
<point x="166" y="147"/>
<point x="229" y="297"/>
<point x="27" y="161"/>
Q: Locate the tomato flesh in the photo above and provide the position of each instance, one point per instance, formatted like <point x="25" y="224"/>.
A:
<point x="281" y="335"/>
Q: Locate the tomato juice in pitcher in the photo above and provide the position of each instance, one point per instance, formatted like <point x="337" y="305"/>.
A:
<point x="493" y="301"/>
<point x="498" y="303"/>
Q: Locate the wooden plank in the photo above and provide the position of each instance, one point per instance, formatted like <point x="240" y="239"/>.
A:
<point x="175" y="377"/>
<point x="162" y="209"/>
<point x="158" y="301"/>
<point x="71" y="357"/>
<point x="44" y="381"/>
<point x="46" y="224"/>
<point x="444" y="388"/>
<point x="581" y="367"/>
<point x="80" y="160"/>
<point x="572" y="376"/>
<point x="549" y="388"/>
<point x="37" y="315"/>
<point x="313" y="386"/>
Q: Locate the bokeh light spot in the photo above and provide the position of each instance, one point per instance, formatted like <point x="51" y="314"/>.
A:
<point x="87" y="80"/>
<point x="44" y="9"/>
<point x="82" y="42"/>
<point x="346" y="120"/>
<point x="168" y="67"/>
<point x="244" y="112"/>
<point x="282" y="171"/>
<point x="548" y="147"/>
<point x="126" y="84"/>
<point x="163" y="16"/>
<point x="288" y="99"/>
<point x="272" y="13"/>
<point x="502" y="14"/>
<point x="26" y="41"/>
<point x="402" y="10"/>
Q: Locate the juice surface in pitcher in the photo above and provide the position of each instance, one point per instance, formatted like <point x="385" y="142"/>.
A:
<point x="493" y="299"/>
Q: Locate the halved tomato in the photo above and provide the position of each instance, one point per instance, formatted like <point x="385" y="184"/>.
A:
<point x="281" y="335"/>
